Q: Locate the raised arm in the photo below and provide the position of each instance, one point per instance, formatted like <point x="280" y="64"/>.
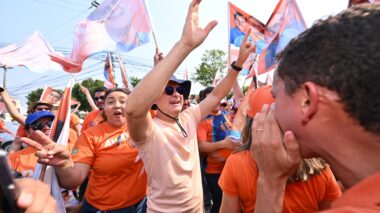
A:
<point x="222" y="89"/>
<point x="12" y="108"/>
<point x="88" y="97"/>
<point x="152" y="85"/>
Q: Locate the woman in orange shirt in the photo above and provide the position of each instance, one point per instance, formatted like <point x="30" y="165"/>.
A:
<point x="311" y="188"/>
<point x="117" y="181"/>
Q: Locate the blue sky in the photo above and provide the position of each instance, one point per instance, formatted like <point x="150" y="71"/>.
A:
<point x="57" y="19"/>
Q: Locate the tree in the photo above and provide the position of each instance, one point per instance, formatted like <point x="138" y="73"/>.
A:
<point x="212" y="60"/>
<point x="91" y="85"/>
<point x="34" y="96"/>
<point x="134" y="81"/>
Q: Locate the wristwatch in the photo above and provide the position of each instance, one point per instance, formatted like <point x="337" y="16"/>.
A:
<point x="233" y="66"/>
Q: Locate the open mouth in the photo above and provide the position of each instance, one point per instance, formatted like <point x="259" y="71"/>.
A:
<point x="117" y="113"/>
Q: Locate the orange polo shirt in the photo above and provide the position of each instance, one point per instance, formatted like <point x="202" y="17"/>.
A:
<point x="239" y="178"/>
<point x="117" y="177"/>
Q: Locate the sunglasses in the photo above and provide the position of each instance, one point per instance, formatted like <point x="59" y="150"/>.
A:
<point x="99" y="98"/>
<point x="169" y="90"/>
<point x="223" y="104"/>
<point x="40" y="125"/>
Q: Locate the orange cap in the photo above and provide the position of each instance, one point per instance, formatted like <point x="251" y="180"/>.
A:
<point x="258" y="98"/>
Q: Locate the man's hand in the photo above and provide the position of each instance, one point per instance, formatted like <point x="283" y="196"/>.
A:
<point x="35" y="196"/>
<point x="49" y="152"/>
<point x="245" y="49"/>
<point x="229" y="144"/>
<point x="84" y="89"/>
<point x="158" y="57"/>
<point x="276" y="158"/>
<point x="193" y="35"/>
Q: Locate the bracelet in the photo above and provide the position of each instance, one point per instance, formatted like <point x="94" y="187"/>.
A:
<point x="236" y="68"/>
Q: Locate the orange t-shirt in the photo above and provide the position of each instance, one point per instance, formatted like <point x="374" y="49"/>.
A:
<point x="74" y="120"/>
<point x="210" y="130"/>
<point x="239" y="178"/>
<point x="362" y="197"/>
<point x="2" y="125"/>
<point x="92" y="118"/>
<point x="117" y="178"/>
<point x="21" y="131"/>
<point x="24" y="161"/>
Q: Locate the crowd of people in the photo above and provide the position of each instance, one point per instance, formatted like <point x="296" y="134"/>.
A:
<point x="310" y="142"/>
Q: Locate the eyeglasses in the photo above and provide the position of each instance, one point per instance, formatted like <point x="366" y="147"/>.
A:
<point x="223" y="104"/>
<point x="40" y="125"/>
<point x="169" y="90"/>
<point x="42" y="109"/>
<point x="99" y="98"/>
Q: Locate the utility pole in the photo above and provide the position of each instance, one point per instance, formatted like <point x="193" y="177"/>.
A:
<point x="5" y="77"/>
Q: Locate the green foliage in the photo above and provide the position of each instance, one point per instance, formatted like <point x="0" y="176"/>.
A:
<point x="34" y="96"/>
<point x="134" y="81"/>
<point x="212" y="61"/>
<point x="91" y="85"/>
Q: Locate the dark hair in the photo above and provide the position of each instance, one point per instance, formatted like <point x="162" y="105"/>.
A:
<point x="109" y="91"/>
<point x="205" y="92"/>
<point x="238" y="14"/>
<point x="54" y="90"/>
<point x="342" y="54"/>
<point x="100" y="89"/>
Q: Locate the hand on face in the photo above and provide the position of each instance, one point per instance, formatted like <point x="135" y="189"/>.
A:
<point x="49" y="152"/>
<point x="193" y="35"/>
<point x="277" y="157"/>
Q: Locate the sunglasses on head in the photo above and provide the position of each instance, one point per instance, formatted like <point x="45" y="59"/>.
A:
<point x="99" y="98"/>
<point x="169" y="90"/>
<point x="40" y="125"/>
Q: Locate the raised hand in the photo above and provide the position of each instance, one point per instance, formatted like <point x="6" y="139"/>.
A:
<point x="277" y="157"/>
<point x="83" y="89"/>
<point x="158" y="56"/>
<point x="246" y="48"/>
<point x="49" y="152"/>
<point x="193" y="35"/>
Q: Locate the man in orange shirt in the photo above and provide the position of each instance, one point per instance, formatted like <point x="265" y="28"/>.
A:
<point x="212" y="134"/>
<point x="327" y="102"/>
<point x="95" y="117"/>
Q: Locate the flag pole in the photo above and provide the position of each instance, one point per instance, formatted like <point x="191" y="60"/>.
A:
<point x="151" y="24"/>
<point x="5" y="77"/>
<point x="155" y="39"/>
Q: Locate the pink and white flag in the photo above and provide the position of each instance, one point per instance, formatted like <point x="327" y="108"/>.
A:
<point x="33" y="53"/>
<point x="116" y="25"/>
